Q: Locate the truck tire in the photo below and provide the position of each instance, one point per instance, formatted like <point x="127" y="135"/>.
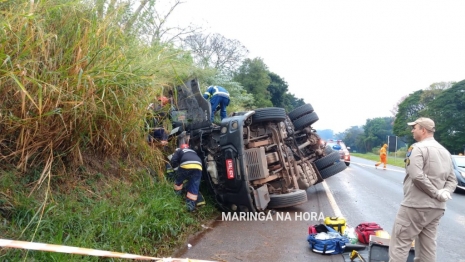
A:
<point x="269" y="114"/>
<point x="327" y="160"/>
<point x="328" y="150"/>
<point x="287" y="200"/>
<point x="305" y="121"/>
<point x="332" y="170"/>
<point x="300" y="111"/>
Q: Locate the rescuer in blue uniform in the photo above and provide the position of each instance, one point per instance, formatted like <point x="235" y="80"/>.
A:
<point x="190" y="168"/>
<point x="218" y="96"/>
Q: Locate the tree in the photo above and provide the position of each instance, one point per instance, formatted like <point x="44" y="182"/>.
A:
<point x="254" y="76"/>
<point x="277" y="89"/>
<point x="216" y="51"/>
<point x="395" y="108"/>
<point x="376" y="131"/>
<point x="430" y="93"/>
<point x="291" y="101"/>
<point x="351" y="137"/>
<point x="280" y="96"/>
<point x="448" y="112"/>
<point x="409" y="110"/>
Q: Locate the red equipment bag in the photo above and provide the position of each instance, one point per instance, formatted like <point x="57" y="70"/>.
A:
<point x="365" y="229"/>
<point x="312" y="230"/>
<point x="315" y="229"/>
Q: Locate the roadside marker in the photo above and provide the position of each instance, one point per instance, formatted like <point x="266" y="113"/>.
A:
<point x="85" y="251"/>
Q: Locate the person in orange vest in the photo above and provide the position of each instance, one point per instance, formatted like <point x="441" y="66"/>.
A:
<point x="382" y="157"/>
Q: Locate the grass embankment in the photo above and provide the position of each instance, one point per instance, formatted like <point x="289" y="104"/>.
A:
<point x="142" y="216"/>
<point x="75" y="81"/>
<point x="392" y="160"/>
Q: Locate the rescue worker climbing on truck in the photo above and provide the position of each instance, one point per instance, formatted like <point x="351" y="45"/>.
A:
<point x="219" y="97"/>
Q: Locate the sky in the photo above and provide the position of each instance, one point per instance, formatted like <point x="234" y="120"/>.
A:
<point x="352" y="60"/>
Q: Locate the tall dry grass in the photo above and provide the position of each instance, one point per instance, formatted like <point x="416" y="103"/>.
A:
<point x="73" y="82"/>
<point x="74" y="87"/>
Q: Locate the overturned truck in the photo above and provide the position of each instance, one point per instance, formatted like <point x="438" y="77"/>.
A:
<point x="254" y="160"/>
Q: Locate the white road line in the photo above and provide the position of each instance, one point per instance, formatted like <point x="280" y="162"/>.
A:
<point x="380" y="168"/>
<point x="332" y="201"/>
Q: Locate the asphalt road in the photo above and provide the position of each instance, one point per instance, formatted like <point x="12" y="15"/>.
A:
<point x="361" y="193"/>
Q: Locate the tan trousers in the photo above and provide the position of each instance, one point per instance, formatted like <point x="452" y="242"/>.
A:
<point x="419" y="224"/>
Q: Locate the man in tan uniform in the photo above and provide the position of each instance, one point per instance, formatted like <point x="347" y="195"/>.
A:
<point x="428" y="183"/>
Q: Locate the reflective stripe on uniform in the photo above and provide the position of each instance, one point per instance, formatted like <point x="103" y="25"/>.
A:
<point x="177" y="188"/>
<point x="192" y="166"/>
<point x="216" y="92"/>
<point x="207" y="94"/>
<point x="191" y="196"/>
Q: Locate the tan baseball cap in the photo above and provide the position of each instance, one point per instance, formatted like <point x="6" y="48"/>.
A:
<point x="425" y="122"/>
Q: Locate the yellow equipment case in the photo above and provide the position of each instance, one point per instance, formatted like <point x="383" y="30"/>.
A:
<point x="337" y="223"/>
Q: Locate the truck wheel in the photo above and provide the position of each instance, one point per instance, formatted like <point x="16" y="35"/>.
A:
<point x="305" y="121"/>
<point x="268" y="114"/>
<point x="328" y="150"/>
<point x="300" y="111"/>
<point x="327" y="160"/>
<point x="287" y="200"/>
<point x="332" y="170"/>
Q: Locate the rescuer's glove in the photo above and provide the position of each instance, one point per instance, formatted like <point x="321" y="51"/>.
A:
<point x="443" y="195"/>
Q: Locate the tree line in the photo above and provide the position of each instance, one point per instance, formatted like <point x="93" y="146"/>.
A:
<point x="443" y="102"/>
<point x="249" y="80"/>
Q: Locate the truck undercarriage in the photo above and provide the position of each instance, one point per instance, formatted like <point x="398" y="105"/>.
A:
<point x="254" y="160"/>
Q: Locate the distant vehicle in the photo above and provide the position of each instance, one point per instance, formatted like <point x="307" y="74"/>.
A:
<point x="459" y="169"/>
<point x="338" y="145"/>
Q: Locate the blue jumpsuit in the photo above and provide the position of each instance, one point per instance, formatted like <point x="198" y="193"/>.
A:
<point x="190" y="168"/>
<point x="218" y="96"/>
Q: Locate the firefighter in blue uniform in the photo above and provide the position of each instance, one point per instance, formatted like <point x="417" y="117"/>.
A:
<point x="218" y="96"/>
<point x="190" y="168"/>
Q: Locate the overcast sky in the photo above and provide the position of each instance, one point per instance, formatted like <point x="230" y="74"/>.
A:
<point x="352" y="60"/>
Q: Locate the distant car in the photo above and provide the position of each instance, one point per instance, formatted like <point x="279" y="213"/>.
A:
<point x="459" y="169"/>
<point x="338" y="145"/>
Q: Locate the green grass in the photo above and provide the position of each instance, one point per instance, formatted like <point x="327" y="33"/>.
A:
<point x="144" y="218"/>
<point x="392" y="160"/>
